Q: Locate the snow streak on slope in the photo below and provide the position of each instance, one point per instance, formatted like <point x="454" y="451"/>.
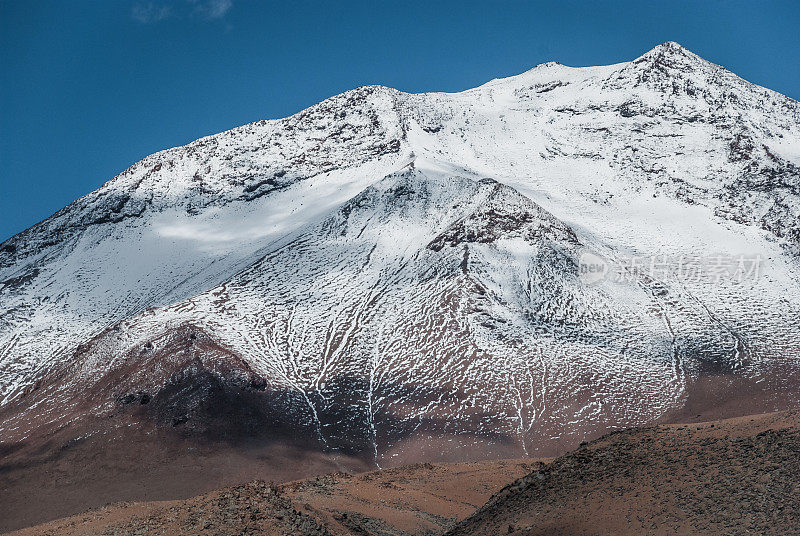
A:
<point x="358" y="259"/>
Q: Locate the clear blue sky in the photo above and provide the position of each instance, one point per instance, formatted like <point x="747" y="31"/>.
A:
<point x="88" y="88"/>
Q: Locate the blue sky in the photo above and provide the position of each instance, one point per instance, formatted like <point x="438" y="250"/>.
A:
<point x="89" y="87"/>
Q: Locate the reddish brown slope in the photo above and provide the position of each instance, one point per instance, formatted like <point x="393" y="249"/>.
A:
<point x="739" y="476"/>
<point x="420" y="499"/>
<point x="736" y="476"/>
<point x="175" y="417"/>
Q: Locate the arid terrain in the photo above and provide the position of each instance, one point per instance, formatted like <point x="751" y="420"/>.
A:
<point x="417" y="499"/>
<point x="734" y="476"/>
<point x="737" y="476"/>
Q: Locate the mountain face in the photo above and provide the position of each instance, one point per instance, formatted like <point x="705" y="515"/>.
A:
<point x="392" y="277"/>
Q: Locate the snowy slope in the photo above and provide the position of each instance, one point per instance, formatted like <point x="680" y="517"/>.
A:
<point x="181" y="221"/>
<point x="404" y="268"/>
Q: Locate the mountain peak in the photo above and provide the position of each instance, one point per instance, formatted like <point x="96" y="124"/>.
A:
<point x="670" y="46"/>
<point x="670" y="55"/>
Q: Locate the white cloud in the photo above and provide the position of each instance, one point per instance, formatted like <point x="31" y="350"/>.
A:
<point x="151" y="12"/>
<point x="213" y="9"/>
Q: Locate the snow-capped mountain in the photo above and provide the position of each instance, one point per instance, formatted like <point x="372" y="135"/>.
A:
<point x="399" y="275"/>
